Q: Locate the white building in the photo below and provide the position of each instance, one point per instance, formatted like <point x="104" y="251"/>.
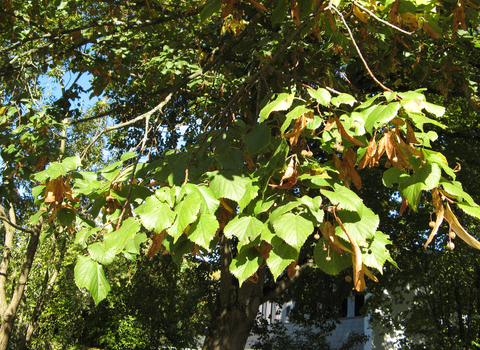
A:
<point x="352" y="321"/>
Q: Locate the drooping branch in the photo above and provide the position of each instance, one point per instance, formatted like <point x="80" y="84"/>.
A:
<point x="331" y="6"/>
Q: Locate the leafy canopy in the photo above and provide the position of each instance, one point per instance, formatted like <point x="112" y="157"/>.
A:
<point x="274" y="148"/>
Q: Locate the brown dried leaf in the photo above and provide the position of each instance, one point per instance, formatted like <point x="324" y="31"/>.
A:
<point x="258" y="6"/>
<point x="298" y="128"/>
<point x="330" y="124"/>
<point x="346" y="136"/>
<point x="368" y="157"/>
<point x="295" y="11"/>
<point x="266" y="248"/>
<point x="157" y="243"/>
<point x="430" y="31"/>
<point x="253" y="278"/>
<point x="411" y="139"/>
<point x="349" y="160"/>
<point x="228" y="9"/>
<point x="403" y="206"/>
<point x="440" y="213"/>
<point x="357" y="261"/>
<point x="360" y="15"/>
<point x="291" y="269"/>
<point x="328" y="231"/>
<point x="459" y="230"/>
<point x="331" y="21"/>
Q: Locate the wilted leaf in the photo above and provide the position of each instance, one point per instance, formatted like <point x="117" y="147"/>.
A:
<point x="346" y="136"/>
<point x="459" y="230"/>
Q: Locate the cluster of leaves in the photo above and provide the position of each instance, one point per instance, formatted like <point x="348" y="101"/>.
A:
<point x="251" y="184"/>
<point x="289" y="162"/>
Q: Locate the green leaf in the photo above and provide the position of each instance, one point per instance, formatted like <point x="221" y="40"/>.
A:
<point x="257" y="139"/>
<point x="89" y="274"/>
<point x="57" y="169"/>
<point x="380" y="115"/>
<point x="361" y="224"/>
<point x="228" y="184"/>
<point x="245" y="228"/>
<point x="263" y="204"/>
<point x="99" y="252"/>
<point x="250" y="194"/>
<point x="281" y="103"/>
<point x="126" y="156"/>
<point x="424" y="179"/>
<point x="245" y="264"/>
<point x="293" y="229"/>
<point x="420" y="119"/>
<point x="455" y="188"/>
<point x="211" y="7"/>
<point x="376" y="254"/>
<point x="125" y="174"/>
<point x="82" y="236"/>
<point x="343" y="99"/>
<point x="72" y="163"/>
<point x="204" y="230"/>
<point x="66" y="216"/>
<point x="470" y="210"/>
<point x="280" y="256"/>
<point x="116" y="240"/>
<point x="344" y="198"/>
<point x="294" y="114"/>
<point x="233" y="160"/>
<point x="209" y="204"/>
<point x="394" y="176"/>
<point x="133" y="243"/>
<point x="329" y="261"/>
<point x="282" y="208"/>
<point x="313" y="204"/>
<point x="155" y="215"/>
<point x="35" y="217"/>
<point x="439" y="159"/>
<point x="279" y="12"/>
<point x="186" y="212"/>
<point x="321" y="95"/>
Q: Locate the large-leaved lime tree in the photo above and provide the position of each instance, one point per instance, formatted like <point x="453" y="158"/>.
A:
<point x="244" y="128"/>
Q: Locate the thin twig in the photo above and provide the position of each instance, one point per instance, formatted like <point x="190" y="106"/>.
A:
<point x="358" y="49"/>
<point x="382" y="20"/>
<point x="127" y="200"/>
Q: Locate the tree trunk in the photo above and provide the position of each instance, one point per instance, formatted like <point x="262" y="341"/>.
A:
<point x="49" y="283"/>
<point x="235" y="308"/>
<point x="9" y="310"/>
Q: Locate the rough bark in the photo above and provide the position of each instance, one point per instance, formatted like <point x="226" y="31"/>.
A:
<point x="49" y="283"/>
<point x="8" y="310"/>
<point x="236" y="307"/>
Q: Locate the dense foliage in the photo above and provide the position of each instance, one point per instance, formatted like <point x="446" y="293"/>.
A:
<point x="245" y="129"/>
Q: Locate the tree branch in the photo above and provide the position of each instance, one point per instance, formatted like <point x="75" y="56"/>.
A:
<point x="331" y="6"/>
<point x="382" y="20"/>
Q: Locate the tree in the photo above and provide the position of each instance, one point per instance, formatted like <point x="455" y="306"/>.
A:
<point x="286" y="107"/>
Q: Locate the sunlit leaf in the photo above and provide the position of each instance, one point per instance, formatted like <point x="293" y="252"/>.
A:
<point x="293" y="229"/>
<point x="89" y="274"/>
<point x="281" y="103"/>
